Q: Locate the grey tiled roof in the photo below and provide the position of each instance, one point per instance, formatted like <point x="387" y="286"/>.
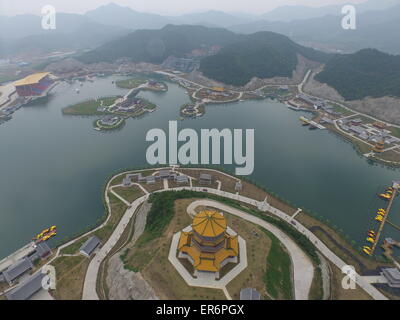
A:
<point x="26" y="289"/>
<point x="392" y="273"/>
<point x="17" y="269"/>
<point x="43" y="249"/>
<point x="89" y="246"/>
<point x="164" y="173"/>
<point x="249" y="294"/>
<point x="182" y="179"/>
<point x="33" y="257"/>
<point x="205" y="176"/>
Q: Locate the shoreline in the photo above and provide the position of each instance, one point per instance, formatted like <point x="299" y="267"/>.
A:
<point x="370" y="159"/>
<point x="281" y="215"/>
<point x="241" y="200"/>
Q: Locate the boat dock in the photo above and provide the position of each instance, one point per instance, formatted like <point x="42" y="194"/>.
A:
<point x="312" y="123"/>
<point x="383" y="222"/>
<point x="17" y="255"/>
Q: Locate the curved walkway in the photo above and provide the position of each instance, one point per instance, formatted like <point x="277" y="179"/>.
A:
<point x="89" y="286"/>
<point x="303" y="269"/>
<point x="91" y="276"/>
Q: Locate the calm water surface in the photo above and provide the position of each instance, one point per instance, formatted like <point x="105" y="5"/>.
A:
<point x="53" y="167"/>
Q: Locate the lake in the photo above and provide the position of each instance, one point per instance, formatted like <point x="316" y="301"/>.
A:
<point x="53" y="167"/>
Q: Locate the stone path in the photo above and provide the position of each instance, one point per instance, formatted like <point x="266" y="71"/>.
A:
<point x="303" y="269"/>
<point x="90" y="280"/>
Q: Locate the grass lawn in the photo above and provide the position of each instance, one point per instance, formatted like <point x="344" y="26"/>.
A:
<point x="89" y="107"/>
<point x="282" y="93"/>
<point x="258" y="245"/>
<point x="268" y="271"/>
<point x="390" y="155"/>
<point x="316" y="290"/>
<point x="74" y="247"/>
<point x="70" y="272"/>
<point x="129" y="193"/>
<point x="151" y="187"/>
<point x="149" y="105"/>
<point x="118" y="209"/>
<point x="338" y="293"/>
<point x="150" y="257"/>
<point x="395" y="131"/>
<point x="365" y="119"/>
<point x="343" y="111"/>
<point x="278" y="279"/>
<point x="130" y="83"/>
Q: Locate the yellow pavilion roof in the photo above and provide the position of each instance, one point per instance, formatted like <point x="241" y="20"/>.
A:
<point x="209" y="223"/>
<point x="211" y="262"/>
<point x="207" y="265"/>
<point x="219" y="89"/>
<point x="31" y="79"/>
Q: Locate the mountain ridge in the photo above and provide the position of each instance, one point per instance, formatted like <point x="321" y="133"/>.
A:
<point x="366" y="73"/>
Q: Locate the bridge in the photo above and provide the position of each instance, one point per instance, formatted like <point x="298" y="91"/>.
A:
<point x="381" y="226"/>
<point x="312" y="123"/>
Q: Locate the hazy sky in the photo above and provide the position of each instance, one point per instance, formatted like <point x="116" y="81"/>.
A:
<point x="172" y="7"/>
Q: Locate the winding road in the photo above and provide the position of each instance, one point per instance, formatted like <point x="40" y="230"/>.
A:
<point x="301" y="286"/>
<point x="303" y="269"/>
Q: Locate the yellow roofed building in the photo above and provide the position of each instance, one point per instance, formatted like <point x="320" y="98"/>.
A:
<point x="33" y="85"/>
<point x="209" y="244"/>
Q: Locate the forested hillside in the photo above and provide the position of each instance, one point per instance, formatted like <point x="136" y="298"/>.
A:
<point x="366" y="73"/>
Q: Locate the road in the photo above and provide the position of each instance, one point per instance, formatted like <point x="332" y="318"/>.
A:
<point x="331" y="256"/>
<point x="91" y="276"/>
<point x="7" y="95"/>
<point x="301" y="84"/>
<point x="183" y="79"/>
<point x="194" y="83"/>
<point x="89" y="286"/>
<point x="303" y="269"/>
<point x="300" y="88"/>
<point x="350" y="135"/>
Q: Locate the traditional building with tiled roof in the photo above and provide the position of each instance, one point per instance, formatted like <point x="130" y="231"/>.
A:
<point x="209" y="244"/>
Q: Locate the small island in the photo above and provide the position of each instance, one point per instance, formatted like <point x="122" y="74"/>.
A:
<point x="131" y="83"/>
<point x="109" y="122"/>
<point x="90" y="107"/>
<point x="115" y="110"/>
<point x="192" y="110"/>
